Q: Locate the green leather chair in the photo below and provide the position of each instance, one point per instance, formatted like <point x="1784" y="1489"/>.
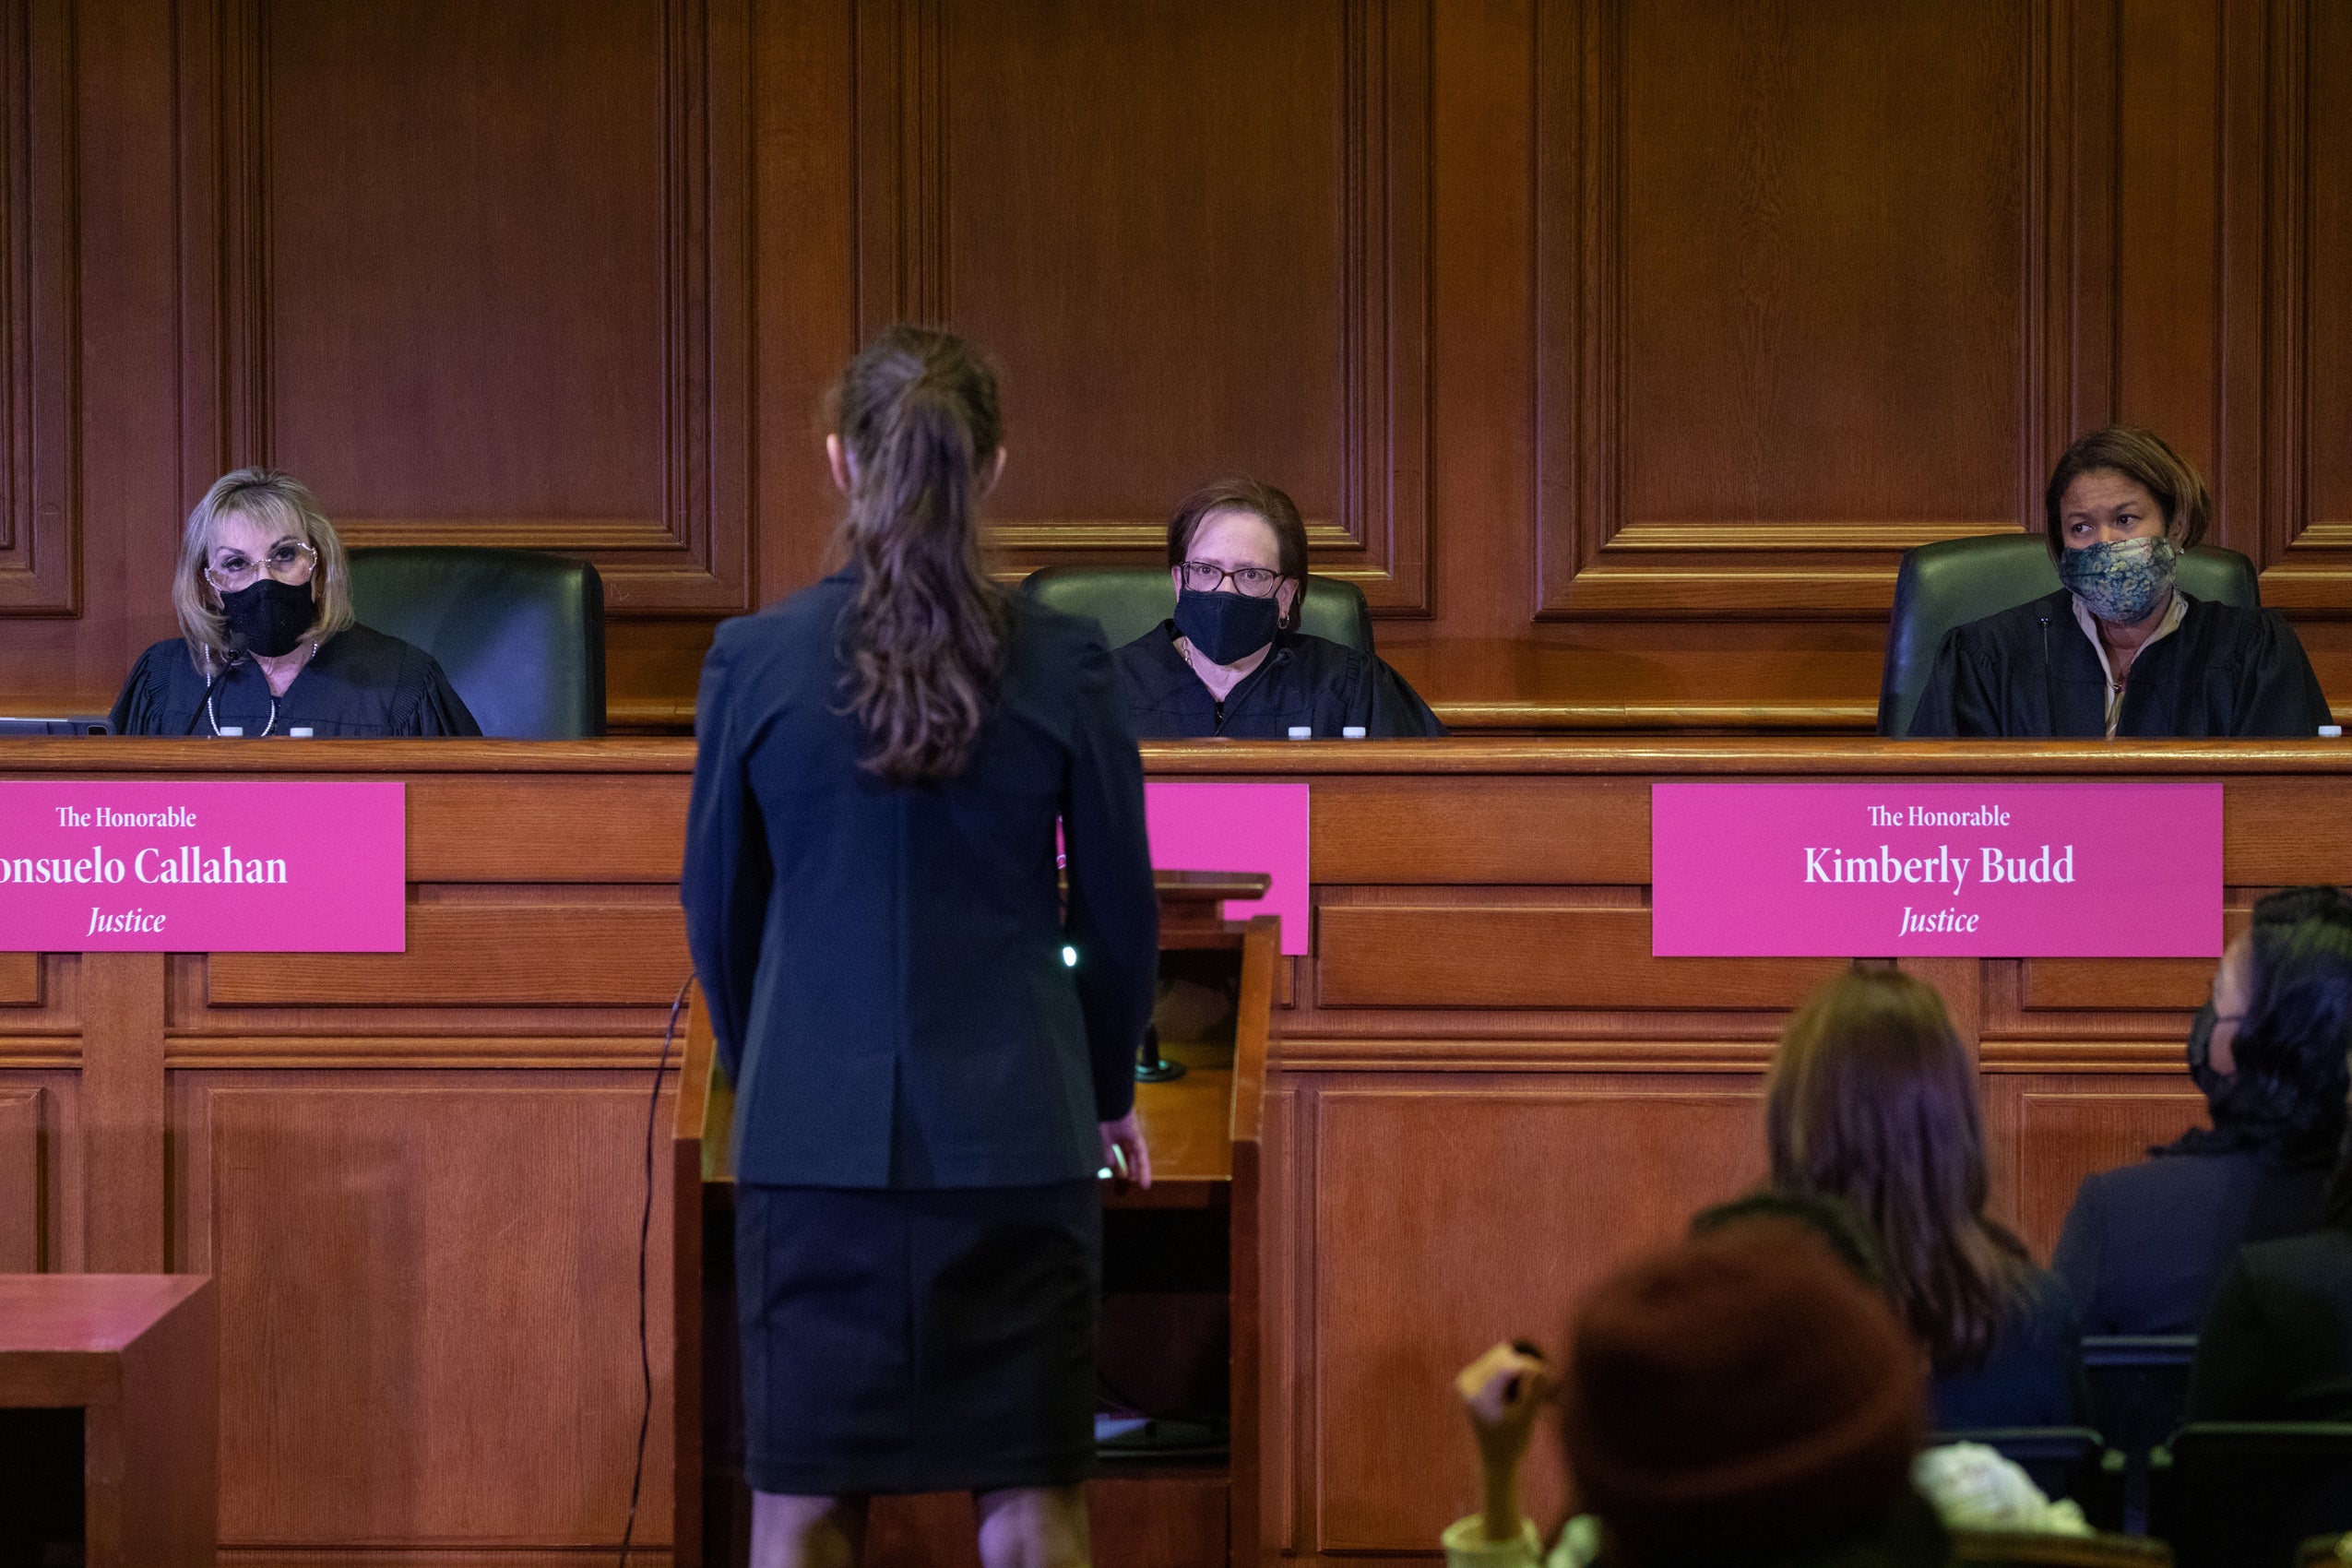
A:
<point x="1955" y="581"/>
<point x="2227" y="1494"/>
<point x="520" y="634"/>
<point x="1130" y="600"/>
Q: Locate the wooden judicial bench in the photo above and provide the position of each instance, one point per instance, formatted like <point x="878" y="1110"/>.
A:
<point x="416" y="1178"/>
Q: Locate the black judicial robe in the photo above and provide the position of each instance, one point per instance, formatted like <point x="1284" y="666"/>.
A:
<point x="2030" y="673"/>
<point x="1306" y="679"/>
<point x="361" y="684"/>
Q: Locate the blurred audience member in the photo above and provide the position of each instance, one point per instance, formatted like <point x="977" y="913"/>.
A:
<point x="1873" y="1101"/>
<point x="1739" y="1397"/>
<point x="2277" y="1344"/>
<point x="1969" y="1486"/>
<point x="2144" y="1245"/>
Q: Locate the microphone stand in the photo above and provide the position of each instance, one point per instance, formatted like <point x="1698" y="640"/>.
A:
<point x="1151" y="1067"/>
<point x="204" y="703"/>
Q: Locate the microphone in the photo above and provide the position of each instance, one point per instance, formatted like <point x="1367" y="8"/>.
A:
<point x="236" y="657"/>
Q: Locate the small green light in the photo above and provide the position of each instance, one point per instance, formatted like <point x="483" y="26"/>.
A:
<point x="1070" y="957"/>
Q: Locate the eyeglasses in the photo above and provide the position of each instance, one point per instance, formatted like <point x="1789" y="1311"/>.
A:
<point x="290" y="561"/>
<point x="1255" y="582"/>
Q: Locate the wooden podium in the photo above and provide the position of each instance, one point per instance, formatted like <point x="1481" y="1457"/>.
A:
<point x="1204" y="1133"/>
<point x="113" y="1375"/>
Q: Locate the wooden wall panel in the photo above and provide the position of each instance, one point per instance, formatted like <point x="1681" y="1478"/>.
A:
<point x="478" y="274"/>
<point x="2326" y="362"/>
<point x="1514" y="956"/>
<point x="1616" y="350"/>
<point x="2109" y="984"/>
<point x="1250" y="255"/>
<point x="1382" y="831"/>
<point x="19" y="980"/>
<point x="26" y="1186"/>
<point x="422" y="1339"/>
<point x="480" y="955"/>
<point x="2064" y="1130"/>
<point x="1764" y="277"/>
<point x="479" y="830"/>
<point x="39" y="518"/>
<point x="2290" y="223"/>
<point x="1432" y="1272"/>
<point x="2169" y="99"/>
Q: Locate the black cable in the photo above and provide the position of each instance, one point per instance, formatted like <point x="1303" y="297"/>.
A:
<point x="645" y="1238"/>
<point x="2050" y="678"/>
<point x="227" y="665"/>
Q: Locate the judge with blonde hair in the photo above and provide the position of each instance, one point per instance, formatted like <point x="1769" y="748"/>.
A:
<point x="267" y="642"/>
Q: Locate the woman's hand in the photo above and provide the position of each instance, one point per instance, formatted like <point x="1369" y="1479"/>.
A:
<point x="1503" y="1390"/>
<point x="1124" y="1153"/>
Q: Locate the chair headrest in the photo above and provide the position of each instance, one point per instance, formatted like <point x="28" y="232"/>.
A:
<point x="1130" y="600"/>
<point x="520" y="634"/>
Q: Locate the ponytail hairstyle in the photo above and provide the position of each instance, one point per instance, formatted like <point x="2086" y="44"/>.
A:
<point x="918" y="419"/>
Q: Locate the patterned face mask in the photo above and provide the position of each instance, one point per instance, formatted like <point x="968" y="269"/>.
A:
<point x="2122" y="581"/>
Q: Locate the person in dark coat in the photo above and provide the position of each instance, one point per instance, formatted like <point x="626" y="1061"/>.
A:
<point x="2145" y="1245"/>
<point x="2121" y="650"/>
<point x="2277" y="1344"/>
<point x="1872" y="1100"/>
<point x="268" y="644"/>
<point x="932" y="1059"/>
<point x="1231" y="660"/>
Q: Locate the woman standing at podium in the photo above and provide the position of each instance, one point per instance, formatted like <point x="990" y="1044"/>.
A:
<point x="931" y="1061"/>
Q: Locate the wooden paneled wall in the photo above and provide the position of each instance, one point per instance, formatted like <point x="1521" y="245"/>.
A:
<point x="1615" y="349"/>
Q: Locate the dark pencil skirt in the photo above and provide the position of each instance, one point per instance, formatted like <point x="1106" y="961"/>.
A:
<point x="901" y="1340"/>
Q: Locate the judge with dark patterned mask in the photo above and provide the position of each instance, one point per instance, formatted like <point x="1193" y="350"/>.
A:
<point x="1231" y="660"/>
<point x="2123" y="649"/>
<point x="268" y="643"/>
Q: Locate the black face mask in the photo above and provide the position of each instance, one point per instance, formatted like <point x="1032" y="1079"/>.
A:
<point x="269" y="617"/>
<point x="1226" y="628"/>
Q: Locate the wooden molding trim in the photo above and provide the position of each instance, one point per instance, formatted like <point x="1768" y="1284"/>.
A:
<point x="584" y="536"/>
<point x="1632" y="716"/>
<point x="40" y="521"/>
<point x="1670" y="536"/>
<point x="1320" y="1053"/>
<point x="2235" y="763"/>
<point x="2082" y="1056"/>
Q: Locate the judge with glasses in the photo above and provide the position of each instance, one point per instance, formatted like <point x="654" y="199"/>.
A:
<point x="267" y="646"/>
<point x="1233" y="661"/>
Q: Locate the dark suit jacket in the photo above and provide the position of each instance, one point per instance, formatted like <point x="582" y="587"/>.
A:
<point x="2145" y="1245"/>
<point x="883" y="965"/>
<point x="2277" y="1344"/>
<point x="2032" y="1375"/>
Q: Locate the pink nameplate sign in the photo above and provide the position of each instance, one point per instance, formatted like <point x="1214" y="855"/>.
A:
<point x="1891" y="869"/>
<point x="210" y="867"/>
<point x="1238" y="828"/>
